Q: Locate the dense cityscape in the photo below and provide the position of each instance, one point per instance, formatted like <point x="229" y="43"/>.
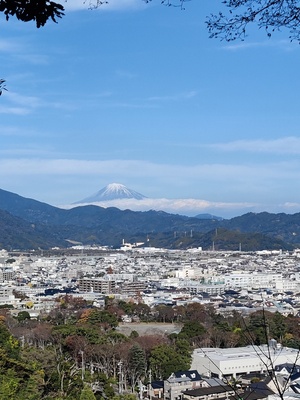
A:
<point x="155" y="276"/>
<point x="149" y="323"/>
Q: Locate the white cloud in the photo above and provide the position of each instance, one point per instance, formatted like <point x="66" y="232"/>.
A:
<point x="71" y="180"/>
<point x="125" y="74"/>
<point x="284" y="145"/>
<point x="34" y="59"/>
<point x="291" y="205"/>
<point x="14" y="110"/>
<point x="15" y="131"/>
<point x="130" y="105"/>
<point x="140" y="168"/>
<point x="285" y="45"/>
<point x="175" y="97"/>
<point x="28" y="101"/>
<point x="22" y="50"/>
<point x="258" y="188"/>
<point x="10" y="46"/>
<point x="17" y="104"/>
<point x="178" y="206"/>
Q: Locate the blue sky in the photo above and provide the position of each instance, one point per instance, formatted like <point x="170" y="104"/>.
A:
<point x="138" y="94"/>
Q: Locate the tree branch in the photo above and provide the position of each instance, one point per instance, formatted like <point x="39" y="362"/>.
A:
<point x="271" y="15"/>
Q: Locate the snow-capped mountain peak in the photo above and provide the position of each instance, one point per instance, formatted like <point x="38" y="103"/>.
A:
<point x="113" y="191"/>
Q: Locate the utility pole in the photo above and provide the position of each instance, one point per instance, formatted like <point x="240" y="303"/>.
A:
<point x="149" y="383"/>
<point x="120" y="372"/>
<point x="82" y="364"/>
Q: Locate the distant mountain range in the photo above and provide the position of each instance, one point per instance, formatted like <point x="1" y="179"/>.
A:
<point x="124" y="198"/>
<point x="30" y="224"/>
<point x="208" y="216"/>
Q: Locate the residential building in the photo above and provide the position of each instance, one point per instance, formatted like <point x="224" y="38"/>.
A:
<point x="96" y="285"/>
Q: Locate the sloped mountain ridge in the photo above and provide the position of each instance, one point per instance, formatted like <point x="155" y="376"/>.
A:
<point x="38" y="224"/>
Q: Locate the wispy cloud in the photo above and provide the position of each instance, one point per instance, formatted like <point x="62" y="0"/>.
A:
<point x="292" y="205"/>
<point x="130" y="105"/>
<point x="153" y="101"/>
<point x="285" y="45"/>
<point x="233" y="174"/>
<point x="17" y="104"/>
<point x="180" y="206"/>
<point x="21" y="49"/>
<point x="15" y="131"/>
<point x="284" y="145"/>
<point x="14" y="110"/>
<point x="28" y="101"/>
<point x="125" y="74"/>
<point x="10" y="46"/>
<point x="175" y="97"/>
<point x="34" y="59"/>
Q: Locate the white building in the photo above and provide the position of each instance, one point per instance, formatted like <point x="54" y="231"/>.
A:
<point x="241" y="360"/>
<point x="254" y="280"/>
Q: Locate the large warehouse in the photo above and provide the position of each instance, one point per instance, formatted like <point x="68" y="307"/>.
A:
<point x="215" y="362"/>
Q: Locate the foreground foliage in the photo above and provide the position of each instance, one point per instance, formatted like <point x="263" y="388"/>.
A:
<point x="76" y="352"/>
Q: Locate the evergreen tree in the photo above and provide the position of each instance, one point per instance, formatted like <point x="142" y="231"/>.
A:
<point x="137" y="364"/>
<point x="165" y="360"/>
<point x="87" y="393"/>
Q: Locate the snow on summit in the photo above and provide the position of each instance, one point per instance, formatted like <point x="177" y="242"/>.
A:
<point x="123" y="198"/>
<point x="113" y="191"/>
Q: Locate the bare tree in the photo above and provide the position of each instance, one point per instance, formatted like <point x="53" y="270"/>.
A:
<point x="267" y="355"/>
<point x="271" y="15"/>
<point x="171" y="3"/>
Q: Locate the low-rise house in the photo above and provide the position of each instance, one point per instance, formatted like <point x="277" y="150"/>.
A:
<point x="173" y="387"/>
<point x="156" y="390"/>
<point x="252" y="392"/>
<point x="180" y="381"/>
<point x="209" y="393"/>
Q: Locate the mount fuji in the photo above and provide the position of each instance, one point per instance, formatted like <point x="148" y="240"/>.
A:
<point x="113" y="191"/>
<point x="116" y="195"/>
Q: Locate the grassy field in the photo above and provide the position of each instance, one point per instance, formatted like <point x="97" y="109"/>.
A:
<point x="152" y="328"/>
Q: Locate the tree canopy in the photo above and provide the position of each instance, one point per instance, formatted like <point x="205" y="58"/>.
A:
<point x="271" y="15"/>
<point x="39" y="11"/>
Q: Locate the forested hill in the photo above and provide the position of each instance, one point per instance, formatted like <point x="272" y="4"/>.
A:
<point x="27" y="223"/>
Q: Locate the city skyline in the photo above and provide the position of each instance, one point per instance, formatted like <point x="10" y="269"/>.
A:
<point x="138" y="94"/>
